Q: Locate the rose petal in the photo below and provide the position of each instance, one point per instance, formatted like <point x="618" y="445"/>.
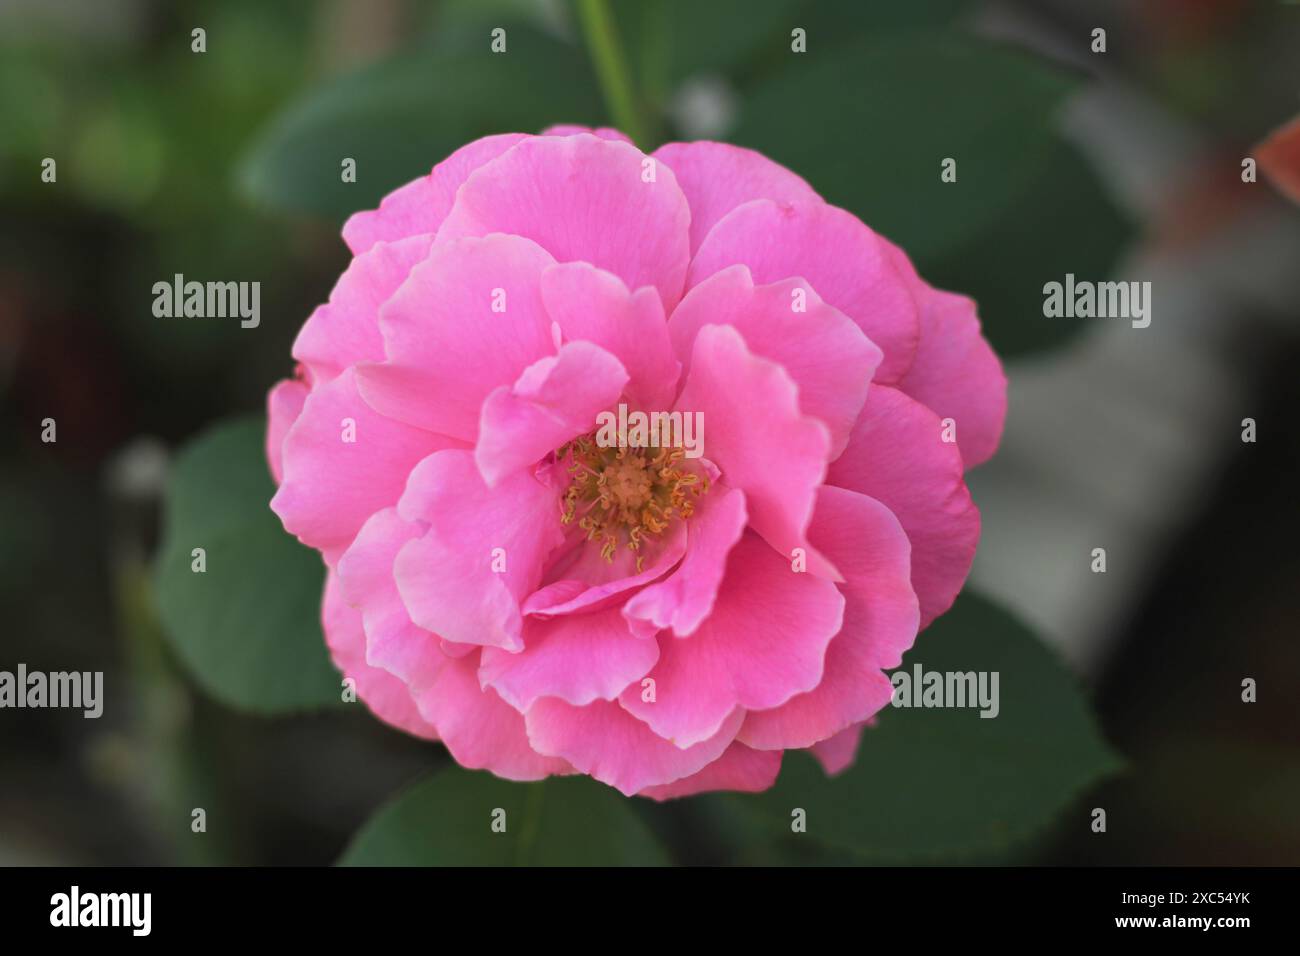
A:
<point x="897" y="455"/>
<point x="764" y="643"/>
<point x="849" y="265"/>
<point x="821" y="348"/>
<point x="718" y="177"/>
<point x="605" y="741"/>
<point x="419" y="207"/>
<point x="577" y="658"/>
<point x="868" y="545"/>
<point x="585" y="199"/>
<point x="448" y="578"/>
<point x="468" y="319"/>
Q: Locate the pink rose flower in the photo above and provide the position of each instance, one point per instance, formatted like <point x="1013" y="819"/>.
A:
<point x="544" y="602"/>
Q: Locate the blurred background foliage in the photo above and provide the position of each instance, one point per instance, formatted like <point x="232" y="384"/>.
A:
<point x="226" y="165"/>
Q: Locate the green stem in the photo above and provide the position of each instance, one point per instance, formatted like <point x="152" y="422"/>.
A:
<point x="611" y="67"/>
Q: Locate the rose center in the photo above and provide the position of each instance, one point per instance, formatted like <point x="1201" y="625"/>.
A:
<point x="624" y="495"/>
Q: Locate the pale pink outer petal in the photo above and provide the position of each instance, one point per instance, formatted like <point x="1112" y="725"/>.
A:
<point x="718" y="177"/>
<point x="283" y="406"/>
<point x="755" y="432"/>
<point x="740" y="768"/>
<point x="764" y="643"/>
<point x="331" y="485"/>
<point x="956" y="373"/>
<point x="379" y="690"/>
<point x="850" y="266"/>
<point x="868" y="545"/>
<point x="345" y="330"/>
<point x="569" y="129"/>
<point x="594" y="305"/>
<point x="421" y="205"/>
<point x="824" y="351"/>
<point x="586" y="199"/>
<point x="836" y="754"/>
<point x="554" y="400"/>
<point x="365" y="575"/>
<point x="605" y="741"/>
<point x="446" y="577"/>
<point x="481" y="730"/>
<point x="686" y="597"/>
<point x="447" y="348"/>
<point x="897" y="455"/>
<point x="577" y="658"/>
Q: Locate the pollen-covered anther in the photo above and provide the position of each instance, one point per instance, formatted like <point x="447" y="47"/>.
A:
<point x="626" y="494"/>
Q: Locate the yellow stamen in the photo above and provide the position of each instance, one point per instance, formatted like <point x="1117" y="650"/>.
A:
<point x="626" y="493"/>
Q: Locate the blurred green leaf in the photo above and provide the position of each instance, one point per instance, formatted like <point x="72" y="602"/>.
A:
<point x="248" y="628"/>
<point x="399" y="117"/>
<point x="670" y="40"/>
<point x="446" y="820"/>
<point x="944" y="783"/>
<point x="1065" y="222"/>
<point x="832" y="21"/>
<point x="869" y="124"/>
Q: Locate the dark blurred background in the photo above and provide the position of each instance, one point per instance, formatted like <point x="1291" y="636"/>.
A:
<point x="174" y="162"/>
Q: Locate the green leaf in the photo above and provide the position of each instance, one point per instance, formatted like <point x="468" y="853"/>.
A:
<point x="670" y="40"/>
<point x="248" y="628"/>
<point x="1065" y="222"/>
<point x="944" y="783"/>
<point x="869" y="125"/>
<point x="446" y="820"/>
<point x="400" y="117"/>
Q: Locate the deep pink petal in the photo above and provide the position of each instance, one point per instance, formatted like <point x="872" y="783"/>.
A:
<point x="868" y="545"/>
<point x="686" y="597"/>
<point x="569" y="129"/>
<point x="554" y="400"/>
<point x="483" y="553"/>
<point x="577" y="658"/>
<point x="836" y="754"/>
<point x="755" y="432"/>
<point x="365" y="575"/>
<point x="591" y="304"/>
<point x="332" y="485"/>
<point x="591" y="582"/>
<point x="283" y="406"/>
<point x="897" y="455"/>
<point x="419" y="207"/>
<point x="740" y="768"/>
<point x="764" y="643"/>
<point x="447" y="348"/>
<point x="585" y="199"/>
<point x="956" y="373"/>
<point x="345" y="330"/>
<point x="718" y="177"/>
<point x="849" y="265"/>
<point x="825" y="353"/>
<point x="481" y="730"/>
<point x="384" y="694"/>
<point x="604" y="740"/>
